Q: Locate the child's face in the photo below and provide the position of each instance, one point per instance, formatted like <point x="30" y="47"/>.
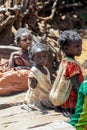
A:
<point x="74" y="49"/>
<point x="25" y="41"/>
<point x="41" y="58"/>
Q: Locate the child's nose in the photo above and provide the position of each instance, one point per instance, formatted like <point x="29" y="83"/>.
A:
<point x="80" y="48"/>
<point x="28" y="41"/>
<point x="42" y="59"/>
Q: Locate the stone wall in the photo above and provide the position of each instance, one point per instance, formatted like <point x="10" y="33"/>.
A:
<point x="5" y="51"/>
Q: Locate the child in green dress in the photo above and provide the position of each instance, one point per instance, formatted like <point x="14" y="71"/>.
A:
<point x="79" y="119"/>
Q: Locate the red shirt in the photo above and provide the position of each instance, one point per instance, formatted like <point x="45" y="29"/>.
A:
<point x="72" y="69"/>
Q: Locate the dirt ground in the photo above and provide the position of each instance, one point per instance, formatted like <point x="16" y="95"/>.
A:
<point x="12" y="117"/>
<point x="15" y="118"/>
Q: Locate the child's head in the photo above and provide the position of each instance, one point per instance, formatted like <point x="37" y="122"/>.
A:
<point x="39" y="53"/>
<point x="23" y="38"/>
<point x="70" y="42"/>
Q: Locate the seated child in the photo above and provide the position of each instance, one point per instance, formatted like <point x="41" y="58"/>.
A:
<point x="20" y="58"/>
<point x="70" y="43"/>
<point x="39" y="78"/>
<point x="79" y="119"/>
<point x="14" y="79"/>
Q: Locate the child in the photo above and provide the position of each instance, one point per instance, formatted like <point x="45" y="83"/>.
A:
<point x="79" y="119"/>
<point x="39" y="78"/>
<point x="21" y="58"/>
<point x="71" y="44"/>
<point x="15" y="78"/>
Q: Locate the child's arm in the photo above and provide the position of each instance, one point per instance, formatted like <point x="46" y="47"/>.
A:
<point x="32" y="82"/>
<point x="75" y="81"/>
<point x="11" y="60"/>
<point x="26" y="63"/>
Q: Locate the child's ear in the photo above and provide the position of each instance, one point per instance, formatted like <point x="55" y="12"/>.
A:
<point x="18" y="44"/>
<point x="66" y="48"/>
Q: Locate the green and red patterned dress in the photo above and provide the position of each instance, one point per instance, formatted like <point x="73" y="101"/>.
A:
<point x="79" y="119"/>
<point x="72" y="69"/>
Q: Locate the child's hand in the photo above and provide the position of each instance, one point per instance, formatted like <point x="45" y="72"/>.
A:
<point x="18" y="60"/>
<point x="32" y="82"/>
<point x="25" y="62"/>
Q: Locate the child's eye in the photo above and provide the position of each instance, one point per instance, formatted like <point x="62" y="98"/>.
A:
<point x="30" y="39"/>
<point x="78" y="46"/>
<point x="44" y="56"/>
<point x="24" y="40"/>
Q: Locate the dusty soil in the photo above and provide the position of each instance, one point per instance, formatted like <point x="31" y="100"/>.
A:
<point x="15" y="118"/>
<point x="12" y="117"/>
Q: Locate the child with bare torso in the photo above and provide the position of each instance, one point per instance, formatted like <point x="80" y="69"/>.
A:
<point x="20" y="59"/>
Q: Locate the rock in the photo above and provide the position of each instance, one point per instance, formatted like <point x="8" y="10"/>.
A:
<point x="12" y="100"/>
<point x="6" y="50"/>
<point x="56" y="125"/>
<point x="13" y="117"/>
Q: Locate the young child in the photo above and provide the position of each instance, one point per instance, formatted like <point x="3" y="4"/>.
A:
<point x="71" y="44"/>
<point x="20" y="58"/>
<point x="79" y="119"/>
<point x="39" y="78"/>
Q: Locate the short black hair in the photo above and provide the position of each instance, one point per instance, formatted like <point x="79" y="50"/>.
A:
<point x="36" y="48"/>
<point x="20" y="32"/>
<point x="67" y="37"/>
